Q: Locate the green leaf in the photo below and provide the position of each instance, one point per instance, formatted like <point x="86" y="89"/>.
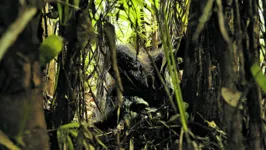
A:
<point x="76" y="3"/>
<point x="185" y="105"/>
<point x="4" y="140"/>
<point x="100" y="142"/>
<point x="66" y="12"/>
<point x="74" y="133"/>
<point x="60" y="12"/>
<point x="60" y="138"/>
<point x="131" y="144"/>
<point x="91" y="147"/>
<point x="70" y="125"/>
<point x="70" y="143"/>
<point x="138" y="3"/>
<point x="258" y="76"/>
<point x="173" y="118"/>
<point x="50" y="48"/>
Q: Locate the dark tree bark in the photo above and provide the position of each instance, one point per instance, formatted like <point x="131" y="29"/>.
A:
<point x="70" y="89"/>
<point x="21" y="112"/>
<point x="68" y="80"/>
<point x="251" y="32"/>
<point x="211" y="59"/>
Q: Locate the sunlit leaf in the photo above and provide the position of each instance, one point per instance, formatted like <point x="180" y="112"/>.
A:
<point x="258" y="76"/>
<point x="76" y="3"/>
<point x="50" y="48"/>
<point x="212" y="124"/>
<point x="86" y="146"/>
<point x="70" y="125"/>
<point x="231" y="98"/>
<point x="74" y="133"/>
<point x="4" y="140"/>
<point x="131" y="144"/>
<point x="60" y="138"/>
<point x="70" y="145"/>
<point x="91" y="147"/>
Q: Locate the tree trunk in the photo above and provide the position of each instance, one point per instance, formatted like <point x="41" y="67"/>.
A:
<point x="211" y="59"/>
<point x="21" y="112"/>
<point x="251" y="32"/>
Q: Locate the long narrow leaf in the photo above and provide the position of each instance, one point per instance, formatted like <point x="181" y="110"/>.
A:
<point x="258" y="76"/>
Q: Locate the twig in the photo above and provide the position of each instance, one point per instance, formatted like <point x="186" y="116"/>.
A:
<point x="13" y="31"/>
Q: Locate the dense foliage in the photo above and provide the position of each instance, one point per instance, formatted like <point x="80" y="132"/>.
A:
<point x="131" y="74"/>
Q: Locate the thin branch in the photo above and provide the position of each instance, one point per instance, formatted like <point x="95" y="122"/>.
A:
<point x="14" y="30"/>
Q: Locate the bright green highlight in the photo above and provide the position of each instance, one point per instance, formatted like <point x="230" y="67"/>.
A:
<point x="50" y="48"/>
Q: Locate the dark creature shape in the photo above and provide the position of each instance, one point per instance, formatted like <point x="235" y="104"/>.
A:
<point x="133" y="72"/>
<point x="138" y="75"/>
<point x="141" y="84"/>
